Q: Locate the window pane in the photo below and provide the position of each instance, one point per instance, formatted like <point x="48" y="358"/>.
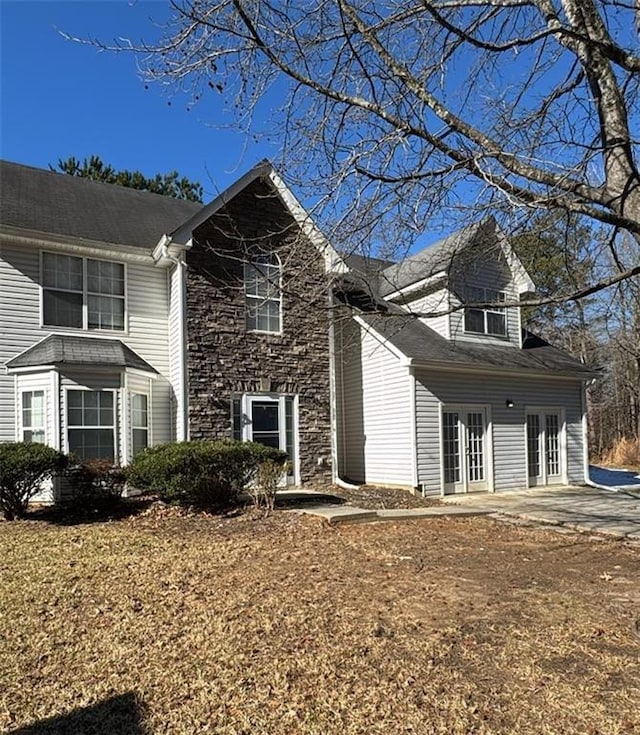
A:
<point x="139" y="415"/>
<point x="236" y="419"/>
<point x="62" y="271"/>
<point x="62" y="309"/>
<point x="104" y="277"/>
<point x="496" y="323"/>
<point x="92" y="443"/>
<point x="264" y="416"/>
<point x="33" y="435"/>
<point x="139" y="440"/>
<point x="474" y="320"/>
<point x="105" y="312"/>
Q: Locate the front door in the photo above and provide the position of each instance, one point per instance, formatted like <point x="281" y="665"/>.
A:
<point x="544" y="456"/>
<point x="464" y="449"/>
<point x="270" y="420"/>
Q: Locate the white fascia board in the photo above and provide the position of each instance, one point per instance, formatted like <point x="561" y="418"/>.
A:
<point x="417" y="286"/>
<point x="522" y="279"/>
<point x="81" y="246"/>
<point x="404" y="360"/>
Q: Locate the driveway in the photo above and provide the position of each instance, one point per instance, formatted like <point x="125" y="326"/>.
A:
<point x="593" y="509"/>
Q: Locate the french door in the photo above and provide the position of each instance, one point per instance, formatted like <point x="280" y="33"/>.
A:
<point x="464" y="449"/>
<point x="545" y="461"/>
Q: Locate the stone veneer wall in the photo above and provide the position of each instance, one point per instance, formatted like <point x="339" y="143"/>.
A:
<point x="224" y="358"/>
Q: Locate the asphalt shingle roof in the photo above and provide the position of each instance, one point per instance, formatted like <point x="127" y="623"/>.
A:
<point x="56" y="203"/>
<point x="60" y="349"/>
<point x="437" y="257"/>
<point x="421" y="343"/>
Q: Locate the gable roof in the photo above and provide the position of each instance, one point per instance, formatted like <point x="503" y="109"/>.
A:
<point x="55" y="203"/>
<point x="419" y="343"/>
<point x="264" y="171"/>
<point x="60" y="349"/>
<point x="444" y="255"/>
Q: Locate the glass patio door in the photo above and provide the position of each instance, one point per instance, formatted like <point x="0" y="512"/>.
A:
<point x="544" y="458"/>
<point x="464" y="450"/>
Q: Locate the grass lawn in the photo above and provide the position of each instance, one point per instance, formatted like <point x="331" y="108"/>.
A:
<point x="162" y="623"/>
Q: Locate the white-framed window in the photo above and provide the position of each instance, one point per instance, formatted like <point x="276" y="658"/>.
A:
<point x="139" y="422"/>
<point x="82" y="293"/>
<point x="32" y="416"/>
<point x="91" y="423"/>
<point x="489" y="320"/>
<point x="262" y="288"/>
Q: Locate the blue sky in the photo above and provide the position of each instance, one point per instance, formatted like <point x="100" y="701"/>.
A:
<point x="61" y="99"/>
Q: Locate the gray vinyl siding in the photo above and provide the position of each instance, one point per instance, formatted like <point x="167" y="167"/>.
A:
<point x="432" y="303"/>
<point x="376" y="413"/>
<point x="435" y="388"/>
<point x="491" y="272"/>
<point x="147" y="307"/>
<point x="349" y="404"/>
<point x="19" y="322"/>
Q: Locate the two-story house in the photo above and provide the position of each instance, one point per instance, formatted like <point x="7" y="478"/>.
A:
<point x="129" y="319"/>
<point x="446" y="399"/>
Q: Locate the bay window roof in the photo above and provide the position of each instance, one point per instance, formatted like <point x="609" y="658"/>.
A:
<point x="60" y="349"/>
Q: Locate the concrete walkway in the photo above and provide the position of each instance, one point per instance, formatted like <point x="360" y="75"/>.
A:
<point x="585" y="509"/>
<point x="591" y="509"/>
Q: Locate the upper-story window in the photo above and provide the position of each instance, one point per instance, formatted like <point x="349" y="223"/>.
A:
<point x="490" y="320"/>
<point x="262" y="276"/>
<point x="82" y="293"/>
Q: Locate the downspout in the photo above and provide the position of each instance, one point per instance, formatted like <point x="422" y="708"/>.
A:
<point x="182" y="424"/>
<point x="335" y="477"/>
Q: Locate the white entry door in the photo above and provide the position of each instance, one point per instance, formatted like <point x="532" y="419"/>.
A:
<point x="545" y="463"/>
<point x="464" y="449"/>
<point x="272" y="420"/>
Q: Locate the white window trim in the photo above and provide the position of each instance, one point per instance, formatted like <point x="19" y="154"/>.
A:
<point x="261" y="299"/>
<point x="486" y="310"/>
<point x="20" y="427"/>
<point x="85" y="293"/>
<point x="116" y="418"/>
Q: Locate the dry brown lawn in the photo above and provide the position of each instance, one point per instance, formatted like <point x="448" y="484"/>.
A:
<point x="191" y="624"/>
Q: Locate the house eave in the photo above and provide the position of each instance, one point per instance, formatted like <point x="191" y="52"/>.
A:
<point x="68" y="243"/>
<point x="492" y="370"/>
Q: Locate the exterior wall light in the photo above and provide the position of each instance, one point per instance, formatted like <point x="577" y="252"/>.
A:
<point x="509" y="403"/>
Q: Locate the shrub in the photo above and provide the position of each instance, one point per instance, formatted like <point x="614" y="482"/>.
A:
<point x="95" y="484"/>
<point x="264" y="488"/>
<point x="23" y="468"/>
<point x="201" y="473"/>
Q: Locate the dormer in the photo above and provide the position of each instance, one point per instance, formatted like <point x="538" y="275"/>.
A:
<point x="473" y="266"/>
